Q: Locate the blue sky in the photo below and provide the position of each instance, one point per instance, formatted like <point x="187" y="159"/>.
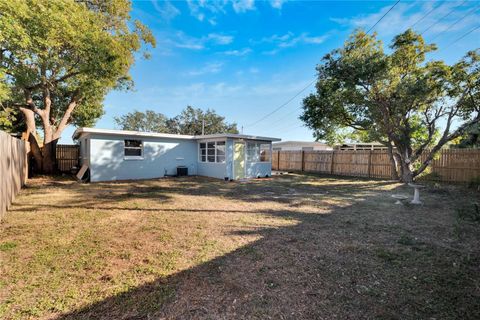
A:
<point x="245" y="58"/>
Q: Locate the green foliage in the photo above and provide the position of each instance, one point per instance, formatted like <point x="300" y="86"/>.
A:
<point x="471" y="138"/>
<point x="7" y="246"/>
<point x="188" y="122"/>
<point x="67" y="51"/>
<point x="396" y="98"/>
<point x="148" y="121"/>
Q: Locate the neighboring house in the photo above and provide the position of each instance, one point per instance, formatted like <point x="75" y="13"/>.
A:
<point x="300" y="145"/>
<point x="123" y="155"/>
<point x="361" y="146"/>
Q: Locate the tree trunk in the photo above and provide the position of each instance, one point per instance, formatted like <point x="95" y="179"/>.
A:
<point x="31" y="134"/>
<point x="48" y="150"/>
<point x="393" y="162"/>
<point x="406" y="172"/>
<point x="48" y="157"/>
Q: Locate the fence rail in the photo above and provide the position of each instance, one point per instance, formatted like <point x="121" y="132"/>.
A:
<point x="451" y="165"/>
<point x="13" y="169"/>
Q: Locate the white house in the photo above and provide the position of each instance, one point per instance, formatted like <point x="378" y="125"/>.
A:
<point x="123" y="155"/>
<point x="300" y="146"/>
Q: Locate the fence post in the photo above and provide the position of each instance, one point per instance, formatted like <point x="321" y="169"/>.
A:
<point x="369" y="163"/>
<point x="278" y="160"/>
<point x="303" y="160"/>
<point x="331" y="162"/>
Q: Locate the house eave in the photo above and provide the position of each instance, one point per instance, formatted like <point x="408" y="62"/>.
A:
<point x="80" y="131"/>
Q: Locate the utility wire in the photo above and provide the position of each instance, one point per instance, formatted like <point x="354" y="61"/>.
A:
<point x="312" y="82"/>
<point x="456" y="22"/>
<point x="371" y="28"/>
<point x="466" y="34"/>
<point x="282" y="105"/>
<point x="443" y="17"/>
<point x="426" y="15"/>
<point x="448" y="28"/>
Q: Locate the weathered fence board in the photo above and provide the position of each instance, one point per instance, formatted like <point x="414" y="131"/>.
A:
<point x="67" y="157"/>
<point x="451" y="165"/>
<point x="13" y="169"/>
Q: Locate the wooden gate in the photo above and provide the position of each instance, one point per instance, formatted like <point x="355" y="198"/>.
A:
<point x="67" y="156"/>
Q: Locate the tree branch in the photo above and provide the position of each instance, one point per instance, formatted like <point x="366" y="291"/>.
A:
<point x="75" y="99"/>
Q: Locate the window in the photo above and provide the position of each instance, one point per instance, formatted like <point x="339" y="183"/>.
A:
<point x="212" y="151"/>
<point x="220" y="151"/>
<point x="203" y="152"/>
<point x="253" y="152"/>
<point x="133" y="148"/>
<point x="265" y="154"/>
<point x="258" y="152"/>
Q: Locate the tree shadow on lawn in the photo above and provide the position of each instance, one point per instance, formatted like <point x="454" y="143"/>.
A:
<point x="294" y="191"/>
<point x="349" y="263"/>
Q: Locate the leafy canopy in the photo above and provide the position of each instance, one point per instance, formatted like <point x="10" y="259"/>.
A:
<point x="395" y="97"/>
<point x="68" y="50"/>
<point x="188" y="122"/>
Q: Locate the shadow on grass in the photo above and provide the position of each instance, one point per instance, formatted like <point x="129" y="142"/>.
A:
<point x="346" y="264"/>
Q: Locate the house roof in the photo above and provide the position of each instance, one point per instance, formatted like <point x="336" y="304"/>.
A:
<point x="81" y="131"/>
<point x="300" y="144"/>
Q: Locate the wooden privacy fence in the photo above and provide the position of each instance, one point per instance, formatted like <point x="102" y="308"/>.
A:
<point x="67" y="157"/>
<point x="451" y="165"/>
<point x="13" y="169"/>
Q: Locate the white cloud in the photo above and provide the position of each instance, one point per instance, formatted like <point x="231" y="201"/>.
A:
<point x="166" y="10"/>
<point x="209" y="68"/>
<point x="289" y="40"/>
<point x="277" y="4"/>
<point x="220" y="39"/>
<point x="237" y="53"/>
<point x="200" y="9"/>
<point x="405" y="15"/>
<point x="181" y="40"/>
<point x="243" y="5"/>
<point x="205" y="10"/>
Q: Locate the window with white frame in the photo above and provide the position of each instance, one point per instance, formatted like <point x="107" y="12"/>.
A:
<point x="253" y="152"/>
<point x="220" y="151"/>
<point x="133" y="148"/>
<point x="203" y="152"/>
<point x="212" y="151"/>
<point x="265" y="152"/>
<point x="258" y="152"/>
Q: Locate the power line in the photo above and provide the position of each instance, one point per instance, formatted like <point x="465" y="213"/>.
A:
<point x="305" y="88"/>
<point x="425" y="15"/>
<point x="382" y="17"/>
<point x="443" y="17"/>
<point x="282" y="105"/>
<point x="456" y="22"/>
<point x="466" y="34"/>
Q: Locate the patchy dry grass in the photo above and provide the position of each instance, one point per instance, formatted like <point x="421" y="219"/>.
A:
<point x="289" y="247"/>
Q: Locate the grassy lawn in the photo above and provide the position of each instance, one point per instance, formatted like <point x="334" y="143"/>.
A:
<point x="289" y="247"/>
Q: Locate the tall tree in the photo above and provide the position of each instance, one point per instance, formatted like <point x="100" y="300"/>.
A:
<point x="411" y="105"/>
<point x="148" y="121"/>
<point x="191" y="121"/>
<point x="61" y="57"/>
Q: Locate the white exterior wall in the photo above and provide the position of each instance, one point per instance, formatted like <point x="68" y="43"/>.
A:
<point x="259" y="169"/>
<point x="160" y="155"/>
<point x="210" y="169"/>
